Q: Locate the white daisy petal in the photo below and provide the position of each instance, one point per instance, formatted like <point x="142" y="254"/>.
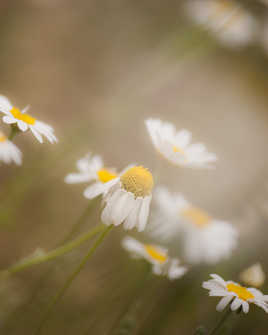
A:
<point x="132" y="218"/>
<point x="94" y="190"/>
<point x="5" y="105"/>
<point x="9" y="119"/>
<point x="144" y="212"/>
<point x="236" y="304"/>
<point x="36" y="134"/>
<point x="74" y="178"/>
<point x="223" y="303"/>
<point x="245" y="307"/>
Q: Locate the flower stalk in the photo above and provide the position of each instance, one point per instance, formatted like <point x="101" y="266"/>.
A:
<point x="222" y="321"/>
<point x="60" y="251"/>
<point x="71" y="278"/>
<point x="13" y="132"/>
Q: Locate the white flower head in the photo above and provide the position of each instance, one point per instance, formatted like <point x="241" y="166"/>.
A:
<point x="9" y="152"/>
<point x="128" y="199"/>
<point x="165" y="224"/>
<point x="234" y="294"/>
<point x="175" y="145"/>
<point x="253" y="276"/>
<point x="157" y="256"/>
<point x="24" y="121"/>
<point x="227" y="20"/>
<point x="91" y="169"/>
<point x="205" y="239"/>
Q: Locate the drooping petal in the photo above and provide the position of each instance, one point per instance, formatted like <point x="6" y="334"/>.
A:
<point x="223" y="303"/>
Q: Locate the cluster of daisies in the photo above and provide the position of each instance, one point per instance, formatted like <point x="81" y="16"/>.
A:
<point x="20" y="121"/>
<point x="127" y="196"/>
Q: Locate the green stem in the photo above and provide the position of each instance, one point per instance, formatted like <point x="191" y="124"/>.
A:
<point x="227" y="314"/>
<point x="69" y="281"/>
<point x="66" y="248"/>
<point x="13" y="132"/>
<point x="121" y="322"/>
<point x="17" y="313"/>
<point x="80" y="222"/>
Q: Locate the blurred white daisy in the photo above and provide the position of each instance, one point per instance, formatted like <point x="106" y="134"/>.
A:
<point x="91" y="169"/>
<point x="253" y="276"/>
<point x="157" y="256"/>
<point x="175" y="145"/>
<point x="9" y="152"/>
<point x="165" y="224"/>
<point x="234" y="294"/>
<point x="226" y="19"/>
<point x="128" y="199"/>
<point x="205" y="239"/>
<point x="24" y="121"/>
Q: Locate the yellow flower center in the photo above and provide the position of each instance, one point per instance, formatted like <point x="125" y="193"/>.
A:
<point x="22" y="116"/>
<point x="2" y="137"/>
<point x="155" y="253"/>
<point x="241" y="291"/>
<point x="105" y="175"/>
<point x="138" y="181"/>
<point x="196" y="216"/>
<point x="178" y="150"/>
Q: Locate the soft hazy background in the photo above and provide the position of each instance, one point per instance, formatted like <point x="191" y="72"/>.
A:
<point x="95" y="69"/>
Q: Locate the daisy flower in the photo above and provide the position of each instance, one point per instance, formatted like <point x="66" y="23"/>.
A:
<point x="253" y="276"/>
<point x="157" y="256"/>
<point x="24" y="121"/>
<point x="175" y="145"/>
<point x="226" y="19"/>
<point x="9" y="152"/>
<point x="91" y="169"/>
<point x="234" y="294"/>
<point x="165" y="224"/>
<point x="128" y="199"/>
<point x="205" y="239"/>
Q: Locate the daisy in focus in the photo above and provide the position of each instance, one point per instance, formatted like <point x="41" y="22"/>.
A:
<point x="128" y="199"/>
<point x="24" y="121"/>
<point x="253" y="276"/>
<point x="226" y="19"/>
<point x="162" y="264"/>
<point x="91" y="169"/>
<point x="234" y="294"/>
<point x="205" y="239"/>
<point x="175" y="145"/>
<point x="9" y="152"/>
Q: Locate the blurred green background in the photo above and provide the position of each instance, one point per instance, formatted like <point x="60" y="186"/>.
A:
<point x="95" y="69"/>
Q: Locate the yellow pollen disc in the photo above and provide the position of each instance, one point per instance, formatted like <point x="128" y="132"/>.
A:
<point x="105" y="175"/>
<point x="2" y="137"/>
<point x="241" y="291"/>
<point x="22" y="116"/>
<point x="196" y="216"/>
<point x="178" y="150"/>
<point x="138" y="181"/>
<point x="155" y="253"/>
